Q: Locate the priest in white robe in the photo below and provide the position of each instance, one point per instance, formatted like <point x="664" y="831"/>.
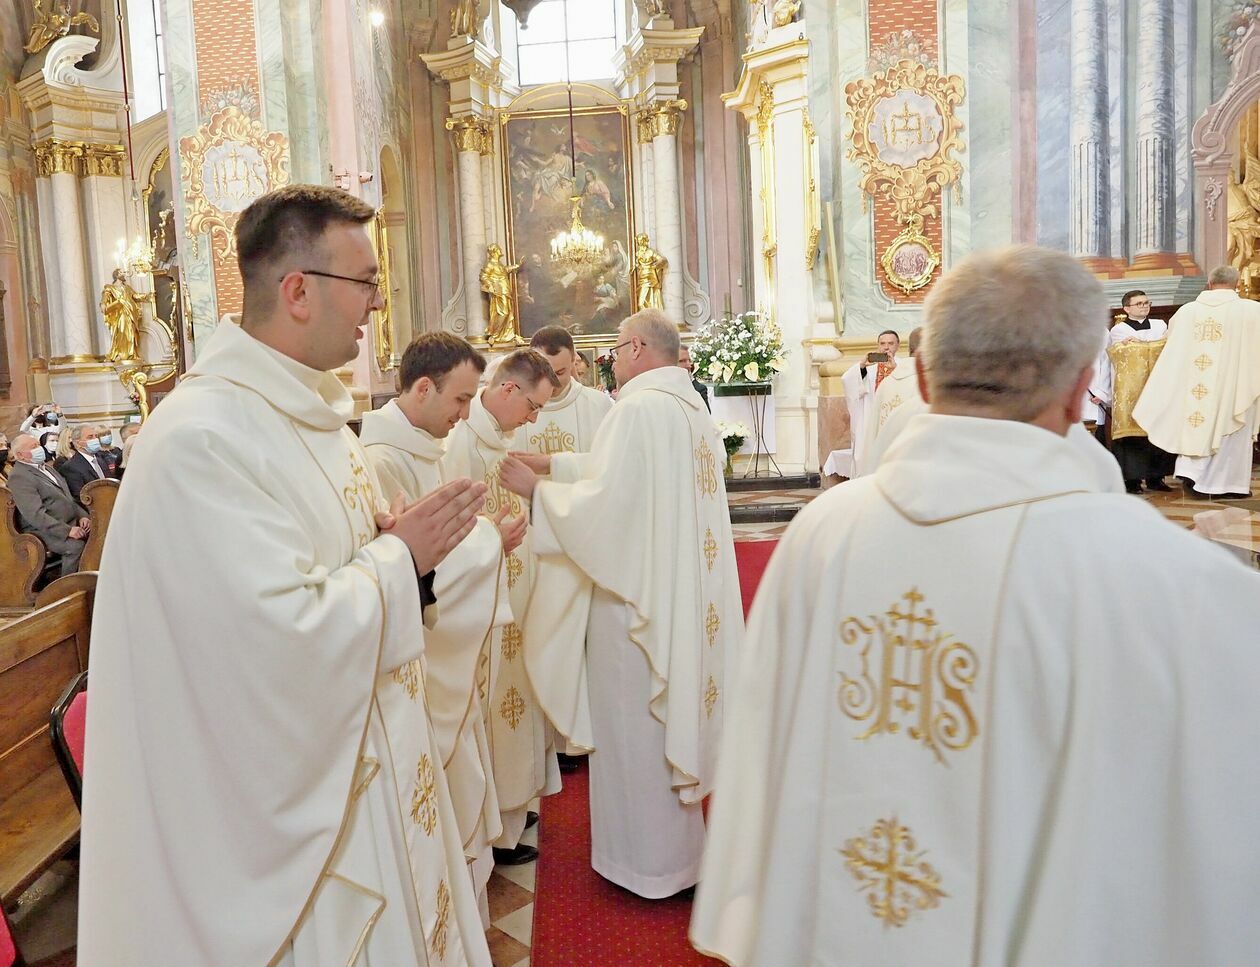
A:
<point x="896" y="400"/>
<point x="264" y="786"/>
<point x="521" y="745"/>
<point x="1201" y="398"/>
<point x="643" y="520"/>
<point x="860" y="382"/>
<point x="988" y="745"/>
<point x="438" y="376"/>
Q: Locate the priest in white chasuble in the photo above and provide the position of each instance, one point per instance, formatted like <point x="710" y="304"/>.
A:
<point x="860" y="382"/>
<point x="895" y="401"/>
<point x="521" y="745"/>
<point x="644" y="521"/>
<point x="1201" y="398"/>
<point x="265" y="786"/>
<point x="438" y="376"/>
<point x="568" y="422"/>
<point x="963" y="735"/>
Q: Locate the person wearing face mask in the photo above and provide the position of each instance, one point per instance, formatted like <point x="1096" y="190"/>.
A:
<point x="88" y="459"/>
<point x="45" y="506"/>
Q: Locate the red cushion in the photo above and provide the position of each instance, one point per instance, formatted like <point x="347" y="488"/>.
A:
<point x="75" y="726"/>
<point x="8" y="953"/>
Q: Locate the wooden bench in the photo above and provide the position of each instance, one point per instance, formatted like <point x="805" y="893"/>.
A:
<point x="39" y="654"/>
<point x="97" y="497"/>
<point x="22" y="558"/>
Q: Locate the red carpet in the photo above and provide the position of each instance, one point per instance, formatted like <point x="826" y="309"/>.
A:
<point x="751" y="557"/>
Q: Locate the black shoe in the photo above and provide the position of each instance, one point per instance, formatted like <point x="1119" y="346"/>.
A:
<point x="1197" y="495"/>
<point x="1133" y="486"/>
<point x="531" y="819"/>
<point x="569" y="763"/>
<point x="1157" y="483"/>
<point x="1231" y="496"/>
<point x="515" y="857"/>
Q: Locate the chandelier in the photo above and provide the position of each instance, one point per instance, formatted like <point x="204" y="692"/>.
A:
<point x="579" y="245"/>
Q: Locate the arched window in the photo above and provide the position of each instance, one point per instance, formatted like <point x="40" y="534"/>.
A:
<point x="146" y="58"/>
<point x="593" y="38"/>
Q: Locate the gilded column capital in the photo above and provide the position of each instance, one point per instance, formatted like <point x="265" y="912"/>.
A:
<point x="472" y="134"/>
<point x="103" y="160"/>
<point x="56" y="157"/>
<point x="661" y="118"/>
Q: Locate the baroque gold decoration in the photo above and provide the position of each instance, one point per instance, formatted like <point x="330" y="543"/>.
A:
<point x="765" y="138"/>
<point x="911" y="673"/>
<point x="136" y="382"/>
<point x="103" y="160"/>
<point x="471" y="133"/>
<point x="54" y="156"/>
<point x="54" y="23"/>
<point x="514" y="570"/>
<point x="383" y="319"/>
<point x="512" y="708"/>
<point x="424" y="797"/>
<point x="813" y="207"/>
<point x="664" y="117"/>
<point x="649" y="275"/>
<point x="120" y="305"/>
<point x="502" y="328"/>
<point x="905" y="132"/>
<point x="890" y="870"/>
<point x="230" y="161"/>
<point x="578" y="246"/>
<point x="785" y="11"/>
<point x="465" y="19"/>
<point x="512" y="638"/>
<point x="710" y="697"/>
<point x="910" y="259"/>
<point x="441" y="925"/>
<point x="408" y="676"/>
<point x="710" y="548"/>
<point x="712" y="624"/>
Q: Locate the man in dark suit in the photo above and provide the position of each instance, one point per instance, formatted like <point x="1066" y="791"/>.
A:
<point x="684" y="360"/>
<point x="45" y="507"/>
<point x="89" y="460"/>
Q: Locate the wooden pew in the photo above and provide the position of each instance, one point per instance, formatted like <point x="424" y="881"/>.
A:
<point x="39" y="823"/>
<point x="98" y="497"/>
<point x="22" y="559"/>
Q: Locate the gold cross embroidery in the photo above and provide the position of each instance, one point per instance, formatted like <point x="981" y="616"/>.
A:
<point x="512" y="638"/>
<point x="441" y="925"/>
<point x="710" y="698"/>
<point x="1204" y="361"/>
<point x="514" y="569"/>
<point x="1199" y="391"/>
<point x="408" y="676"/>
<point x="710" y="548"/>
<point x="1196" y="419"/>
<point x="712" y="624"/>
<point x="890" y="869"/>
<point x="424" y="797"/>
<point x="512" y="708"/>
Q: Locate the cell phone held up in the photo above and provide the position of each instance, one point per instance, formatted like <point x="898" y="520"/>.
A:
<point x="877" y="357"/>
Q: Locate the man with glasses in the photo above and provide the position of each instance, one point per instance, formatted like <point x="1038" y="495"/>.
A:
<point x="265" y="788"/>
<point x="640" y="524"/>
<point x="523" y="753"/>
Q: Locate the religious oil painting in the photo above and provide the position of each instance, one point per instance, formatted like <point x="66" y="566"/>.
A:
<point x="588" y="300"/>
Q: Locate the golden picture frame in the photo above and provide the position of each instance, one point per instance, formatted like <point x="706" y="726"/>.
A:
<point x="910" y="260"/>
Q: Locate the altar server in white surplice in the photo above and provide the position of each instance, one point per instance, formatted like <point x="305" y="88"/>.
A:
<point x="645" y="522"/>
<point x="265" y="786"/>
<point x="896" y="400"/>
<point x="963" y="735"/>
<point x="1201" y="399"/>
<point x="860" y="382"/>
<point x="438" y="375"/>
<point x="521" y="745"/>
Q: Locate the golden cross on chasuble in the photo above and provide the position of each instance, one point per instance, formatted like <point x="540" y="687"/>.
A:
<point x="890" y="870"/>
<point x="910" y="673"/>
<point x="424" y="797"/>
<point x="710" y="548"/>
<point x="553" y="440"/>
<point x="1203" y="361"/>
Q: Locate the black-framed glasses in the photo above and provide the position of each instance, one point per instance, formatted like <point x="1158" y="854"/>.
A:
<point x="533" y="407"/>
<point x="370" y="283"/>
<point x="612" y="353"/>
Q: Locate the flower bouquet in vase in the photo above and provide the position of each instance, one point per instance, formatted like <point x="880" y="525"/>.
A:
<point x="604" y="372"/>
<point x="733" y="437"/>
<point x="744" y="348"/>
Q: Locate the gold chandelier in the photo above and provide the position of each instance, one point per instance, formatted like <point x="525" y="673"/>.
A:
<point x="578" y="246"/>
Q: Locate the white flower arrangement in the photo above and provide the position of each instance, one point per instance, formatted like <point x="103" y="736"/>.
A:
<point x="733" y="431"/>
<point x="741" y="349"/>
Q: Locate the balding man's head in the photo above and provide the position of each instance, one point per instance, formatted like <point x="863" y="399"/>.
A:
<point x="1223" y="277"/>
<point x="22" y="446"/>
<point x="646" y="340"/>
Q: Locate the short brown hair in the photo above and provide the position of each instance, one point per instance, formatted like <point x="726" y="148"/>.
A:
<point x="435" y="354"/>
<point x="552" y="339"/>
<point x="286" y="221"/>
<point x="526" y="367"/>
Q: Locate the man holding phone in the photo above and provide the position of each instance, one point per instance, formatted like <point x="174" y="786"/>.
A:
<point x="860" y="382"/>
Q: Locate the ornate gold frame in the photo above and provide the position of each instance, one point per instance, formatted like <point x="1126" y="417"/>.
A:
<point x="813" y="207"/>
<point x="911" y="235"/>
<point x="386" y="356"/>
<point x="229" y="124"/>
<point x="911" y="190"/>
<point x="765" y="149"/>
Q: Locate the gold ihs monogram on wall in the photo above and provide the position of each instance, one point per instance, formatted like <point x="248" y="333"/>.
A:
<point x="912" y="675"/>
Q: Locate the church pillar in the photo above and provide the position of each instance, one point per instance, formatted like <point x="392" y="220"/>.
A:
<point x="1090" y="185"/>
<point x="1155" y="204"/>
<point x="646" y="174"/>
<point x="667" y="200"/>
<point x="72" y="331"/>
<point x="472" y="140"/>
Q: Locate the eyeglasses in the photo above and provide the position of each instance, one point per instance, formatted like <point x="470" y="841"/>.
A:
<point x="1140" y="305"/>
<point x="370" y="283"/>
<point x="612" y="353"/>
<point x="533" y="407"/>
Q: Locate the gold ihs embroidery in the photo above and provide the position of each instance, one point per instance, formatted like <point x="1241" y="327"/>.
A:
<point x="706" y="470"/>
<point x="710" y="548"/>
<point x="499" y="496"/>
<point x="1209" y="330"/>
<point x="890" y="870"/>
<point x="408" y="676"/>
<point x="553" y="440"/>
<point x="512" y="638"/>
<point x="712" y="624"/>
<point x="360" y="496"/>
<point x="441" y="926"/>
<point x="710" y="698"/>
<point x="911" y="673"/>
<point x="512" y="708"/>
<point x="515" y="568"/>
<point x="424" y="797"/>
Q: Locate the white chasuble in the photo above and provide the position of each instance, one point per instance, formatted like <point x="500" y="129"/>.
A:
<point x="472" y="600"/>
<point x="645" y="522"/>
<point x="948" y="745"/>
<point x="524" y="763"/>
<point x="265" y="785"/>
<point x="1205" y="384"/>
<point x="892" y="406"/>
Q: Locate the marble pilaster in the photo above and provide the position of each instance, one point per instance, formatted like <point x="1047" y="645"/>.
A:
<point x="470" y="133"/>
<point x="76" y="319"/>
<point x="667" y="202"/>
<point x="1090" y="183"/>
<point x="1155" y="202"/>
<point x="48" y="251"/>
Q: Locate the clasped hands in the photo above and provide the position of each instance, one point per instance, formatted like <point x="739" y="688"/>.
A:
<point x="434" y="525"/>
<point x="81" y="530"/>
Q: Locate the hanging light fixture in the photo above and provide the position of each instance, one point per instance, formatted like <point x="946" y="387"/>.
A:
<point x="578" y="246"/>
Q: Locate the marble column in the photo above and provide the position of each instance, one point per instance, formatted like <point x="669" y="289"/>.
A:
<point x="1155" y="205"/>
<point x="1090" y="184"/>
<point x="470" y="136"/>
<point x="72" y="333"/>
<point x="645" y="173"/>
<point x="666" y="119"/>
<point x="48" y="251"/>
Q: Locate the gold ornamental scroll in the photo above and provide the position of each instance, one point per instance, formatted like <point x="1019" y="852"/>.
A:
<point x="1132" y="363"/>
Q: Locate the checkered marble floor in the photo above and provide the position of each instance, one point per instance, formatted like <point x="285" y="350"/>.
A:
<point x="510" y="894"/>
